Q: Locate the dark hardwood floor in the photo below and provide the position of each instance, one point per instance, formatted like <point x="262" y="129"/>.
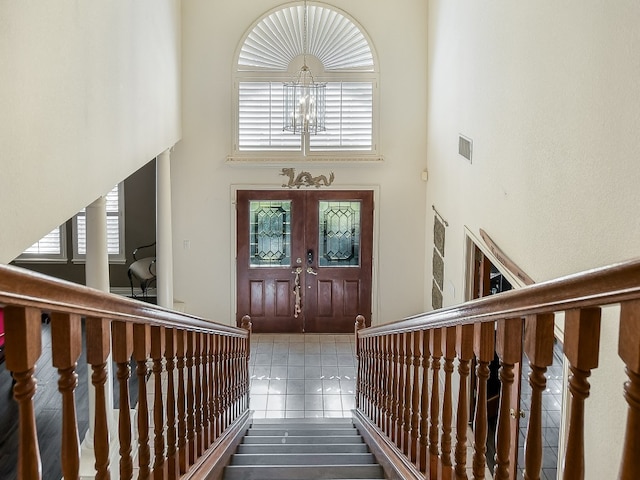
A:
<point x="48" y="406"/>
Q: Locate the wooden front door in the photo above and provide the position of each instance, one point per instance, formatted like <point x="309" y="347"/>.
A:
<point x="304" y="259"/>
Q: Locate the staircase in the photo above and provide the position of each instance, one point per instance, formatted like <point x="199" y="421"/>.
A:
<point x="288" y="449"/>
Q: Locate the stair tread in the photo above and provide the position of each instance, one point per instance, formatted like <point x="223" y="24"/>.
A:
<point x="303" y="448"/>
<point x="307" y="459"/>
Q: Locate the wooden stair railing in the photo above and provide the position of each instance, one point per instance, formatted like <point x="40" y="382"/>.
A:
<point x="204" y="403"/>
<point x="400" y="365"/>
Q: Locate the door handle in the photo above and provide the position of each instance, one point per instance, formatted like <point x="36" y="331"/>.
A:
<point x="297" y="309"/>
<point x="311" y="271"/>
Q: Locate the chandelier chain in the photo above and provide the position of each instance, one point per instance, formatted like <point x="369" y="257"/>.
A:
<point x="304" y="33"/>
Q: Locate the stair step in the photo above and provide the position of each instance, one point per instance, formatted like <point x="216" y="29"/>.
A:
<point x="303" y="448"/>
<point x="302" y="439"/>
<point x="286" y="431"/>
<point x="306" y="472"/>
<point x="303" y="459"/>
<point x="306" y="421"/>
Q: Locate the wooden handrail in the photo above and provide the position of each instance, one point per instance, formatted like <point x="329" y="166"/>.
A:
<point x="597" y="287"/>
<point x="401" y="364"/>
<point x="31" y="289"/>
<point x="205" y="397"/>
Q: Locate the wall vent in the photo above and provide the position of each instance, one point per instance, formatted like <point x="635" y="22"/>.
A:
<point x="465" y="147"/>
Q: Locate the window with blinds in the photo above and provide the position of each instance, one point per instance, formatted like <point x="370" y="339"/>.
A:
<point x="50" y="248"/>
<point x="339" y="54"/>
<point x="53" y="246"/>
<point x="349" y="123"/>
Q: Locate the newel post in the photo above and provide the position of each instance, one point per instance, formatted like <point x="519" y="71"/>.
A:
<point x="248" y="326"/>
<point x="629" y="351"/>
<point x="581" y="347"/>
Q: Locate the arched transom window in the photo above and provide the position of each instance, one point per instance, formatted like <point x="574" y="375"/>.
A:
<point x="338" y="53"/>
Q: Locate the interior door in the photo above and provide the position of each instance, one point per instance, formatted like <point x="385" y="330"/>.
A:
<point x="304" y="259"/>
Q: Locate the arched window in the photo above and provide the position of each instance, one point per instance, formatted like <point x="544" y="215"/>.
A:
<point x="338" y="52"/>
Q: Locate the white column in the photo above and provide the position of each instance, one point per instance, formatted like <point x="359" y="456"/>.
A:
<point x="97" y="258"/>
<point x="97" y="276"/>
<point x="164" y="234"/>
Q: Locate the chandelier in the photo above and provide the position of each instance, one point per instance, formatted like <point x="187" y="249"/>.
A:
<point x="304" y="99"/>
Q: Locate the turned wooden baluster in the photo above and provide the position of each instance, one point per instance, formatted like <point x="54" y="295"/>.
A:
<point x="122" y="336"/>
<point x="423" y="457"/>
<point x="449" y="352"/>
<point x="225" y="382"/>
<point x="198" y="393"/>
<point x="629" y="351"/>
<point x="141" y="350"/>
<point x="66" y="340"/>
<point x="415" y="397"/>
<point x="248" y="326"/>
<point x="98" y="334"/>
<point x="171" y="347"/>
<point x="191" y="426"/>
<point x="234" y="378"/>
<point x="23" y="342"/>
<point x="371" y="377"/>
<point x="408" y="395"/>
<point x="434" y="408"/>
<point x="183" y="455"/>
<point x="398" y="389"/>
<point x="483" y="347"/>
<point x="379" y="382"/>
<point x="216" y="388"/>
<point x="464" y="350"/>
<point x="210" y="386"/>
<point x="509" y="350"/>
<point x="231" y="383"/>
<point x="359" y="325"/>
<point x="538" y="346"/>
<point x="157" y="350"/>
<point x="387" y="397"/>
<point x="205" y="392"/>
<point x="581" y="347"/>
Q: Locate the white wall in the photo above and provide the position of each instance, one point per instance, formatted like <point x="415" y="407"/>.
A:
<point x="548" y="91"/>
<point x="90" y="92"/>
<point x="202" y="200"/>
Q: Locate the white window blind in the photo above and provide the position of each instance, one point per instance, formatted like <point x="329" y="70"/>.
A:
<point x="260" y="118"/>
<point x="49" y="245"/>
<point x="349" y="118"/>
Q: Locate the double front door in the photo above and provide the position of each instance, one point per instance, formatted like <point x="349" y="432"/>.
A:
<point x="304" y="259"/>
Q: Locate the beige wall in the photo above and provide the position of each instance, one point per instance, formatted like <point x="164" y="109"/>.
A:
<point x="548" y="91"/>
<point x="90" y="92"/>
<point x="203" y="182"/>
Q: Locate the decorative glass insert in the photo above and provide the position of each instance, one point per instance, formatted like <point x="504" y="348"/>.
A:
<point x="339" y="233"/>
<point x="270" y="233"/>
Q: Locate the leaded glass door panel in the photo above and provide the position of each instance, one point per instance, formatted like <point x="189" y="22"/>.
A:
<point x="304" y="259"/>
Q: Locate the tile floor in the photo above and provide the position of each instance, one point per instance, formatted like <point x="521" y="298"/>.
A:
<point x="302" y="375"/>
